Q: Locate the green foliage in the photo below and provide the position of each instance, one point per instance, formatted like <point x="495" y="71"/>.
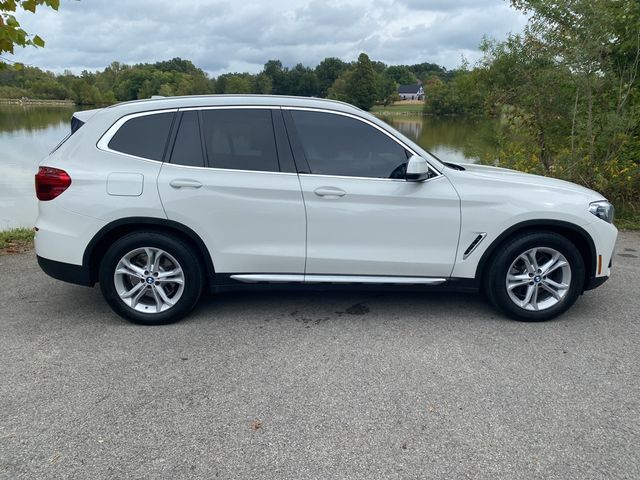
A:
<point x="338" y="91"/>
<point x="261" y="83"/>
<point x="11" y="33"/>
<point x="12" y="92"/>
<point x="327" y="72"/>
<point x="236" y="83"/>
<point x="566" y="92"/>
<point x="464" y="94"/>
<point x="402" y="75"/>
<point x="569" y="95"/>
<point x="15" y="237"/>
<point x="386" y="88"/>
<point x="399" y="108"/>
<point x="361" y="84"/>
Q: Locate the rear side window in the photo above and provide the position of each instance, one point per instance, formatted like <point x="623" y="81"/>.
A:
<point x="187" y="149"/>
<point x="241" y="139"/>
<point x="144" y="136"/>
<point x="343" y="146"/>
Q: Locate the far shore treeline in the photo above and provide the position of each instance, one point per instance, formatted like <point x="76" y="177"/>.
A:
<point x="362" y="82"/>
<point x="566" y="91"/>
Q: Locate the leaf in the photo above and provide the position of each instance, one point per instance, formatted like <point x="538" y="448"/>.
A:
<point x="8" y="6"/>
<point x="38" y="41"/>
<point x="29" y="5"/>
<point x="11" y="21"/>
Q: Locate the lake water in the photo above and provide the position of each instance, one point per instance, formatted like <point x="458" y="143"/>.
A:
<point x="28" y="134"/>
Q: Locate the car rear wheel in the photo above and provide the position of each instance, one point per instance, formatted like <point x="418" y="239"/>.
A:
<point x="536" y="276"/>
<point x="150" y="278"/>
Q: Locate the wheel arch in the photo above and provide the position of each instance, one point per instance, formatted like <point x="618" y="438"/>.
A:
<point x="118" y="228"/>
<point x="576" y="234"/>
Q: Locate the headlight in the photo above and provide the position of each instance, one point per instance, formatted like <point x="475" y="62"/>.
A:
<point x="603" y="210"/>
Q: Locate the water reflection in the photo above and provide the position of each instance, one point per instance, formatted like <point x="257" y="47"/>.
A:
<point x="451" y="139"/>
<point x="28" y="134"/>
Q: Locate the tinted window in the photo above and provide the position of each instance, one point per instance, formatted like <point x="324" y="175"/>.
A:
<point x="144" y="136"/>
<point x="187" y="149"/>
<point x="339" y="145"/>
<point x="240" y="139"/>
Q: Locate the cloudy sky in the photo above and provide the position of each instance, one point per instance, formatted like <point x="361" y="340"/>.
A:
<point x="232" y="35"/>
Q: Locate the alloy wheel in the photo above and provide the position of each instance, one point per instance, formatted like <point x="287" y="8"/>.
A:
<point x="149" y="280"/>
<point x="538" y="279"/>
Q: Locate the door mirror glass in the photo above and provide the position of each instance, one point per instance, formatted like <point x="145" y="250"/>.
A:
<point x="417" y="169"/>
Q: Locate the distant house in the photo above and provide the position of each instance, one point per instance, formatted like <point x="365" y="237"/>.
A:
<point x="411" y="92"/>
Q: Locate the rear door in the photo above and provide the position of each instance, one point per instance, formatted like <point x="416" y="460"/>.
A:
<point x="231" y="178"/>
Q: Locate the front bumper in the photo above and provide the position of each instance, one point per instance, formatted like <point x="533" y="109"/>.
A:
<point x="595" y="282"/>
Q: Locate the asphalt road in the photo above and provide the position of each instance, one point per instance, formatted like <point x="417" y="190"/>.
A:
<point x="319" y="385"/>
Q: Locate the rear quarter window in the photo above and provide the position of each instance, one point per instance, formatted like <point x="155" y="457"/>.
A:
<point x="145" y="136"/>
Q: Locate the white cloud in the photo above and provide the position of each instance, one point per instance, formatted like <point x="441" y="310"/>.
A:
<point x="224" y="35"/>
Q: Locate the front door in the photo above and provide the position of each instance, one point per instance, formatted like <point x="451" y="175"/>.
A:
<point x="363" y="217"/>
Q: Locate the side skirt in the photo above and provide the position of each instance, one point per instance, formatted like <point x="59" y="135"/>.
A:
<point x="235" y="282"/>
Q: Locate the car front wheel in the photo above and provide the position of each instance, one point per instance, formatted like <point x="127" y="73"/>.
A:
<point x="536" y="276"/>
<point x="150" y="278"/>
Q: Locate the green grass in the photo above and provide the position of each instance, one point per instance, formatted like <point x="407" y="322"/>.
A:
<point x="628" y="222"/>
<point x="399" y="108"/>
<point x="16" y="236"/>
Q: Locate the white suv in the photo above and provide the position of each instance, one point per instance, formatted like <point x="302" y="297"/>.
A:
<point x="159" y="200"/>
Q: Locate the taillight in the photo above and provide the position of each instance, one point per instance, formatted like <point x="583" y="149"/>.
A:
<point x="51" y="182"/>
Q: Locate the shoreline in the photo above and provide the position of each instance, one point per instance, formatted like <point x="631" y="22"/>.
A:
<point x="37" y="102"/>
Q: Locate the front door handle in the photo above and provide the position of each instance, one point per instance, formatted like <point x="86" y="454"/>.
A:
<point x="185" y="183"/>
<point x="329" y="192"/>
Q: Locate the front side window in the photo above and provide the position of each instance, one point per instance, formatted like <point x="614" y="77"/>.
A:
<point x="339" y="145"/>
<point x="144" y="136"/>
<point x="241" y="139"/>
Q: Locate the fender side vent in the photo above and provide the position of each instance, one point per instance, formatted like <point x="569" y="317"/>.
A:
<point x="473" y="245"/>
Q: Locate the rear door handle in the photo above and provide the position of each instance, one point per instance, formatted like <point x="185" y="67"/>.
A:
<point x="329" y="192"/>
<point x="185" y="183"/>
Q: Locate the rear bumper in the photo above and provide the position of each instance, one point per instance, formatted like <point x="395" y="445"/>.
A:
<point x="66" y="272"/>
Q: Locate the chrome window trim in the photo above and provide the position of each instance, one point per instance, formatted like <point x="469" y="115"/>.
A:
<point x="103" y="142"/>
<point x="227" y="169"/>
<point x="348" y="177"/>
<point x="231" y="107"/>
<point x="370" y="123"/>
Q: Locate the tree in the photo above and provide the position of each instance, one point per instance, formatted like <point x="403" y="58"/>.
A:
<point x="11" y="33"/>
<point x="237" y="83"/>
<point x="277" y="74"/>
<point x="402" y="75"/>
<point x="327" y="71"/>
<point x="261" y="83"/>
<point x="361" y="84"/>
<point x="338" y="91"/>
<point x="302" y="81"/>
<point x="568" y="93"/>
<point x="386" y="89"/>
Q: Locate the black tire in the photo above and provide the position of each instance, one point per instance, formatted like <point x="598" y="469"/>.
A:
<point x="176" y="248"/>
<point x="496" y="277"/>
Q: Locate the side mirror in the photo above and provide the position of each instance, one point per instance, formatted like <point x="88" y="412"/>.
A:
<point x="417" y="169"/>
